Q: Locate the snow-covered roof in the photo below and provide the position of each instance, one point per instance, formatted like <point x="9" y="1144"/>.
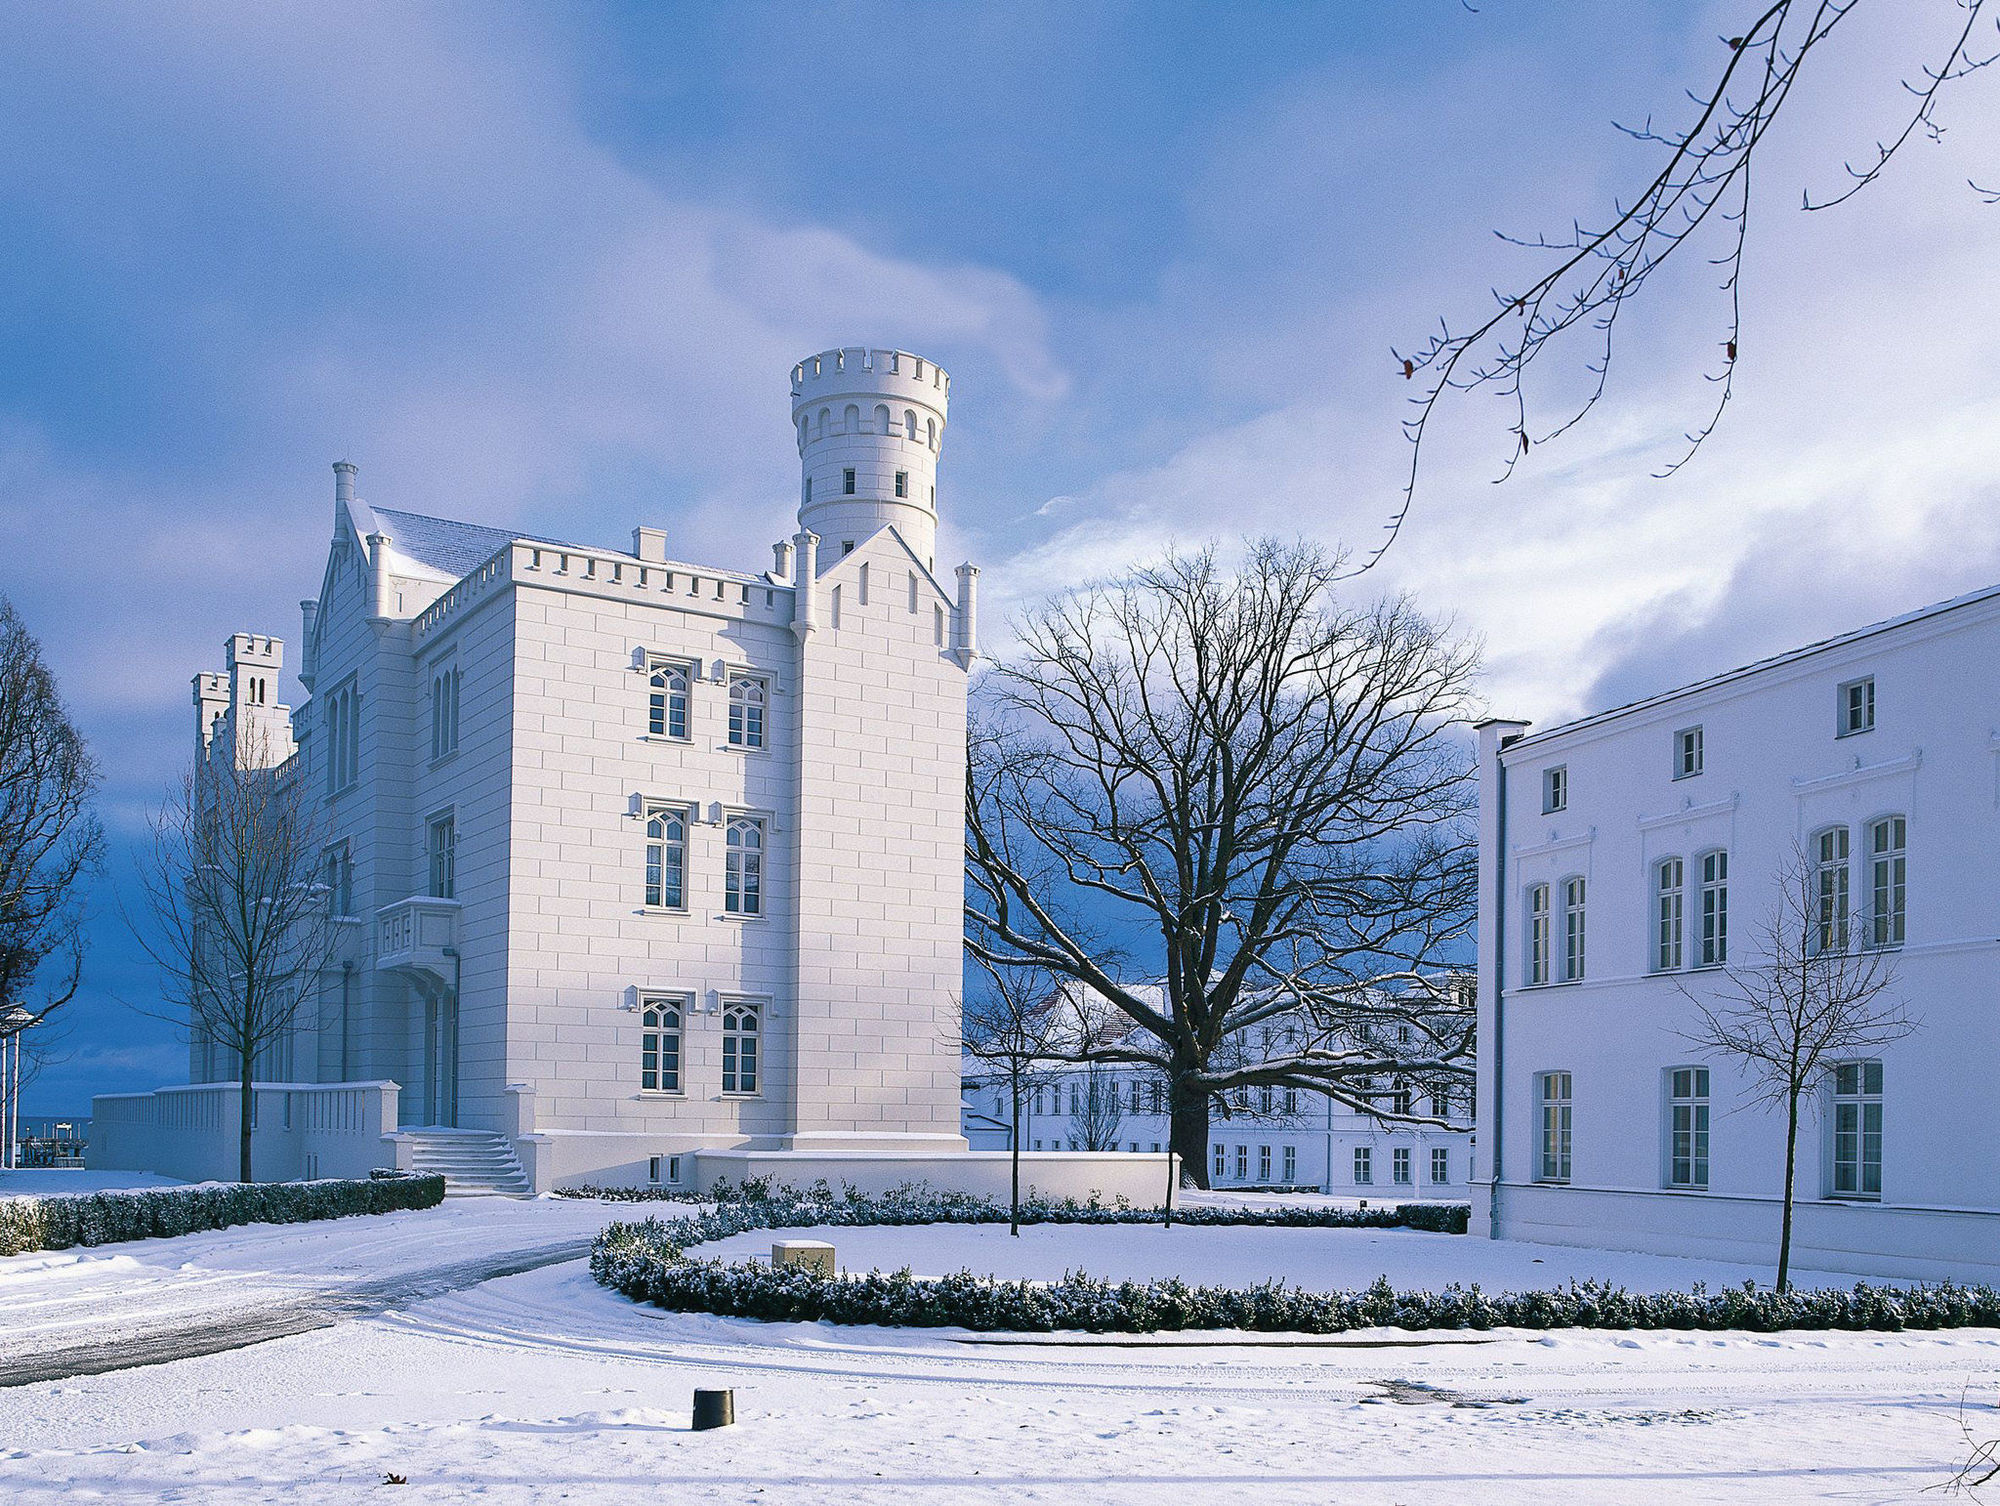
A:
<point x="445" y="544"/>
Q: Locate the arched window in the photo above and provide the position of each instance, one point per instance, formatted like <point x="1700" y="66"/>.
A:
<point x="1888" y="873"/>
<point x="667" y="707"/>
<point x="910" y="424"/>
<point x="1830" y="889"/>
<point x="660" y="1047"/>
<point x="739" y="1049"/>
<point x="743" y="875"/>
<point x="930" y="434"/>
<point x="882" y="418"/>
<point x="851" y="422"/>
<point x="805" y="430"/>
<point x="666" y="857"/>
<point x="746" y="711"/>
<point x="823" y="415"/>
<point x="1670" y="879"/>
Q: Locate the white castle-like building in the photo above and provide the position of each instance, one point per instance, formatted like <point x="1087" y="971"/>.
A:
<point x="636" y="859"/>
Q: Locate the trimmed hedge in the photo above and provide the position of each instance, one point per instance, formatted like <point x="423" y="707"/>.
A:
<point x="648" y="1262"/>
<point x="99" y="1218"/>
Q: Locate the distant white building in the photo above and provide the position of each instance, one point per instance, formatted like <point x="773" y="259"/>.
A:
<point x="1624" y="854"/>
<point x="636" y="858"/>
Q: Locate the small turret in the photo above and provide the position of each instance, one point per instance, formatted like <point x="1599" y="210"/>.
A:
<point x="870" y="428"/>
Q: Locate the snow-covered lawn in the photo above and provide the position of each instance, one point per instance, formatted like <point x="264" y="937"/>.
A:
<point x="1316" y="1259"/>
<point x="543" y="1386"/>
<point x="67" y="1181"/>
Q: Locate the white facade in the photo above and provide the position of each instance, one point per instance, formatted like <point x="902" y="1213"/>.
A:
<point x="1622" y="853"/>
<point x="641" y="857"/>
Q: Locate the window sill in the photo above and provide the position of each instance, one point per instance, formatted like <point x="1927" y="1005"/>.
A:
<point x="741" y="1097"/>
<point x="667" y="738"/>
<point x="1696" y="774"/>
<point x="664" y="912"/>
<point x="757" y="919"/>
<point x="1852" y="732"/>
<point x="1852" y="1197"/>
<point x="672" y="1095"/>
<point x="442" y="759"/>
<point x="1683" y="1187"/>
<point x="743" y="748"/>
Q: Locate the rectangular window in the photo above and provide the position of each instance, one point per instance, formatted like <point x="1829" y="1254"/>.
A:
<point x="739" y="1049"/>
<point x="1714" y="908"/>
<point x="1156" y="1097"/>
<point x="847" y="481"/>
<point x="1670" y="877"/>
<point x="1538" y="934"/>
<point x="1888" y="873"/>
<point x="913" y="590"/>
<point x="1137" y="1100"/>
<point x="1552" y="1104"/>
<point x="902" y="483"/>
<point x="1263" y="1163"/>
<point x="1555" y="789"/>
<point x="667" y="700"/>
<point x="1572" y="929"/>
<point x="1831" y="891"/>
<point x="666" y="857"/>
<point x="443" y="847"/>
<point x="1687" y="1127"/>
<point x="1440" y="1165"/>
<point x="1264" y="1100"/>
<point x="1242" y="1163"/>
<point x="663" y="1169"/>
<point x="743" y="870"/>
<point x="1291" y="1163"/>
<point x="748" y="697"/>
<point x="660" y="1047"/>
<point x="1399" y="1163"/>
<point x="1687" y="753"/>
<point x="1857" y="1130"/>
<point x="1221" y="1162"/>
<point x="1364" y="1165"/>
<point x="1291" y="1100"/>
<point x="1857" y="706"/>
<point x="444" y="712"/>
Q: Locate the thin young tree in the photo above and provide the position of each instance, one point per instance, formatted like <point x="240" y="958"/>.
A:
<point x="1095" y="1111"/>
<point x="1267" y="785"/>
<point x="234" y="914"/>
<point x="1813" y="992"/>
<point x="51" y="845"/>
<point x="1012" y="1027"/>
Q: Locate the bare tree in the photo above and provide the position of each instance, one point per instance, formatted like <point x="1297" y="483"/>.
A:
<point x="236" y="918"/>
<point x="1700" y="194"/>
<point x="1095" y="1113"/>
<point x="1810" y="997"/>
<point x="1012" y="1027"/>
<point x="50" y="842"/>
<point x="1272" y="787"/>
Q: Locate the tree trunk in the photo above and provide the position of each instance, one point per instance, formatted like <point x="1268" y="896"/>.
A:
<point x="1791" y="1174"/>
<point x="1189" y="1139"/>
<point x="245" y="1105"/>
<point x="1014" y="1141"/>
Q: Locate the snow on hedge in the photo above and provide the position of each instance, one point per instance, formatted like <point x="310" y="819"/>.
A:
<point x="98" y="1218"/>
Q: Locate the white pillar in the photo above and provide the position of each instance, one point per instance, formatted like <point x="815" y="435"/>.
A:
<point x="966" y="629"/>
<point x="805" y="616"/>
<point x="378" y="574"/>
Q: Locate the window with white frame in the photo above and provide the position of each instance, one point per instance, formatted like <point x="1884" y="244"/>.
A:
<point x="1538" y="933"/>
<point x="743" y="866"/>
<point x="667" y="693"/>
<point x="1440" y="1165"/>
<point x="1291" y="1100"/>
<point x="1687" y="752"/>
<point x="1242" y="1163"/>
<point x="1399" y="1166"/>
<point x="1552" y="1110"/>
<point x="660" y="1045"/>
<point x="740" y="1063"/>
<point x="1857" y="706"/>
<point x="902" y="483"/>
<point x="747" y="697"/>
<point x="1291" y="1163"/>
<point x="1156" y="1097"/>
<point x="343" y="737"/>
<point x="444" y="711"/>
<point x="1221" y="1162"/>
<point x="1263" y="1163"/>
<point x="443" y="850"/>
<point x="1364" y="1165"/>
<point x="1857" y="1130"/>
<point x="1573" y="953"/>
<point x="1669" y="904"/>
<point x="663" y="1169"/>
<point x="1138" y="1089"/>
<point x="1687" y="1127"/>
<point x="1888" y="879"/>
<point x="1555" y="789"/>
<point x="1264" y="1099"/>
<point x="1713" y="868"/>
<point x="666" y="857"/>
<point x="1830" y="889"/>
<point x="847" y="482"/>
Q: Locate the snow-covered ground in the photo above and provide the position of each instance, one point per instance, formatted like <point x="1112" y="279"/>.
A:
<point x="67" y="1181"/>
<point x="542" y="1387"/>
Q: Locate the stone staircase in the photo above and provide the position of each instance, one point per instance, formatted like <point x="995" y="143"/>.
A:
<point x="473" y="1163"/>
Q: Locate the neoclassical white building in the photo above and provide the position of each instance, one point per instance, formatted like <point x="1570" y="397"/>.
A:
<point x="636" y="858"/>
<point x="1625" y="856"/>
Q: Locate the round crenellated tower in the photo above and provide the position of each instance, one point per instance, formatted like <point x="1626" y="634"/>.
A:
<point x="870" y="426"/>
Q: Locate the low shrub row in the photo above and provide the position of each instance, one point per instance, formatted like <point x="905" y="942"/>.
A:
<point x="918" y="1203"/>
<point x="648" y="1261"/>
<point x="98" y="1218"/>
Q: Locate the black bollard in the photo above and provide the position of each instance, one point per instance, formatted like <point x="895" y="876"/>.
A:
<point x="714" y="1409"/>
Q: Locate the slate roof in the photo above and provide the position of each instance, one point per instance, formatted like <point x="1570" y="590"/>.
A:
<point x="444" y="544"/>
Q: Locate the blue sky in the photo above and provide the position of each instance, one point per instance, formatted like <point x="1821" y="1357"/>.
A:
<point x="548" y="266"/>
